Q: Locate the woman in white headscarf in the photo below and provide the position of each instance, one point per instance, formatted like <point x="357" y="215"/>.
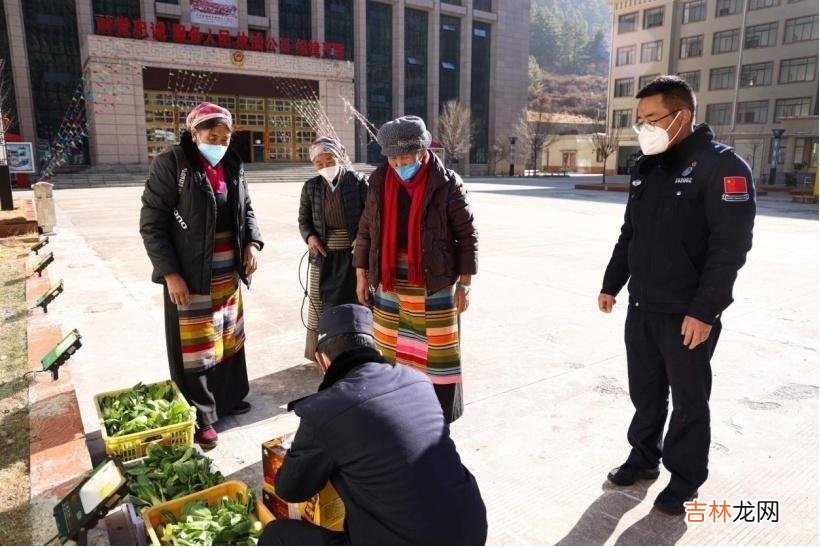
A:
<point x="329" y="210"/>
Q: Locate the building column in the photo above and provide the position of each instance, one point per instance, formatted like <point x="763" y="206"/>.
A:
<point x="19" y="68"/>
<point x="185" y="10"/>
<point x="149" y="13"/>
<point x="399" y="62"/>
<point x="433" y="64"/>
<point x="317" y="10"/>
<point x="465" y="71"/>
<point x="359" y="70"/>
<point x="242" y="16"/>
<point x="273" y="17"/>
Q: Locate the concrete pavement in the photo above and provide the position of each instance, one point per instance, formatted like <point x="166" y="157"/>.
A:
<point x="545" y="373"/>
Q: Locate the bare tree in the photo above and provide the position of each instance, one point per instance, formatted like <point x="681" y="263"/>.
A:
<point x="499" y="153"/>
<point x="455" y="130"/>
<point x="535" y="130"/>
<point x="606" y="144"/>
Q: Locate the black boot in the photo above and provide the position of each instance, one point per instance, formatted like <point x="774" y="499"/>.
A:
<point x="670" y="501"/>
<point x="627" y="474"/>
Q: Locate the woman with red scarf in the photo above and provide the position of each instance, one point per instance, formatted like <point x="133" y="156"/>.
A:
<point x="415" y="254"/>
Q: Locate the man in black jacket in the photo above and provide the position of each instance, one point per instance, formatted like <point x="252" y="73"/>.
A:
<point x="686" y="232"/>
<point x="377" y="432"/>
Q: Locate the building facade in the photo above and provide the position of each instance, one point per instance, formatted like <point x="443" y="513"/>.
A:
<point x="285" y="68"/>
<point x="752" y="64"/>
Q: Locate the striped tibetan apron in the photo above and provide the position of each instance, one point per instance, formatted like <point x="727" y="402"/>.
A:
<point x="211" y="327"/>
<point x="419" y="330"/>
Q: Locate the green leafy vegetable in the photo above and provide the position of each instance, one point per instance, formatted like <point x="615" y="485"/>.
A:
<point x="229" y="522"/>
<point x="142" y="408"/>
<point x="167" y="473"/>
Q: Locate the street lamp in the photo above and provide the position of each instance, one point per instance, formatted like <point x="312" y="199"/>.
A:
<point x="778" y="133"/>
<point x="512" y="156"/>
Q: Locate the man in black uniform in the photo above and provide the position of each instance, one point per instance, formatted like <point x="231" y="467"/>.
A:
<point x="377" y="432"/>
<point x="686" y="232"/>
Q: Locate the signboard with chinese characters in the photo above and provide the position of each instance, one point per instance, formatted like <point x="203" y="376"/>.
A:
<point x="159" y="31"/>
<point x="21" y="157"/>
<point x="215" y="13"/>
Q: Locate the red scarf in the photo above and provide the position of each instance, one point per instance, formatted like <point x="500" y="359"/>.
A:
<point x="215" y="175"/>
<point x="390" y="211"/>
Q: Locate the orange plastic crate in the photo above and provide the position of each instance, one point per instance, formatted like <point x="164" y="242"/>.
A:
<point x="153" y="515"/>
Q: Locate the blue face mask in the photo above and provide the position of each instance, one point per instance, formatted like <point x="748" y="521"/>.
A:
<point x="407" y="172"/>
<point x="212" y="152"/>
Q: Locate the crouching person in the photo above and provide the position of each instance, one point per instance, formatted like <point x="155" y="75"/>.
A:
<point x="378" y="433"/>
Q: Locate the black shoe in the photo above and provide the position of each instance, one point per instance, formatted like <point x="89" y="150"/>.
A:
<point x="627" y="474"/>
<point x="671" y="502"/>
<point x="242" y="408"/>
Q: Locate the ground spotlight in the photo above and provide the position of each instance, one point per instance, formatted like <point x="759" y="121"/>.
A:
<point x="61" y="353"/>
<point x="43" y="264"/>
<point x="39" y="245"/>
<point x="49" y="296"/>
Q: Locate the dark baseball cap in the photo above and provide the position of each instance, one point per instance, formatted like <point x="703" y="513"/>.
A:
<point x="345" y="319"/>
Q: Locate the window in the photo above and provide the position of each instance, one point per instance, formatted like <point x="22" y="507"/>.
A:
<point x="761" y="4"/>
<point x="483" y="5"/>
<point x="54" y="65"/>
<point x="805" y="153"/>
<point x="719" y="114"/>
<point x="753" y="112"/>
<point x="246" y="120"/>
<point x="480" y="92"/>
<point x="624" y="87"/>
<point x="644" y="81"/>
<point x="791" y="108"/>
<point x="756" y="75"/>
<point x="725" y="41"/>
<point x="692" y="78"/>
<point x="130" y="9"/>
<point x="415" y="70"/>
<point x="653" y="17"/>
<point x="798" y="70"/>
<point x="728" y="7"/>
<point x="651" y="51"/>
<point x="761" y="36"/>
<point x="694" y="11"/>
<point x="627" y="22"/>
<point x="339" y="25"/>
<point x="722" y="78"/>
<point x="691" y="46"/>
<point x="251" y="104"/>
<point x="257" y="8"/>
<point x="801" y="29"/>
<point x="379" y="67"/>
<point x="621" y="118"/>
<point x="294" y="20"/>
<point x="449" y="73"/>
<point x="625" y="56"/>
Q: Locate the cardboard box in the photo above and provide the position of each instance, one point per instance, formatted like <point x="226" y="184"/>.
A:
<point x="325" y="509"/>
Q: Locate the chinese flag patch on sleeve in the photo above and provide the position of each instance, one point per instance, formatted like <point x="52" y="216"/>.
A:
<point x="735" y="185"/>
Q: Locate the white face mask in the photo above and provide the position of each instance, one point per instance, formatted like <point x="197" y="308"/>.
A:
<point x="329" y="173"/>
<point x="655" y="140"/>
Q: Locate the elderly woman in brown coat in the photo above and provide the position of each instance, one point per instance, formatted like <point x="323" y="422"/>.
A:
<point x="415" y="254"/>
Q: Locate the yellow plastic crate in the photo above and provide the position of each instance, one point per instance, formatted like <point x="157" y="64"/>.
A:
<point x="211" y="496"/>
<point x="134" y="446"/>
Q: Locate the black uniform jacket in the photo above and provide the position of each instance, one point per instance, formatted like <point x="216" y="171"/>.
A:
<point x="377" y="432"/>
<point x="178" y="224"/>
<point x="687" y="229"/>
